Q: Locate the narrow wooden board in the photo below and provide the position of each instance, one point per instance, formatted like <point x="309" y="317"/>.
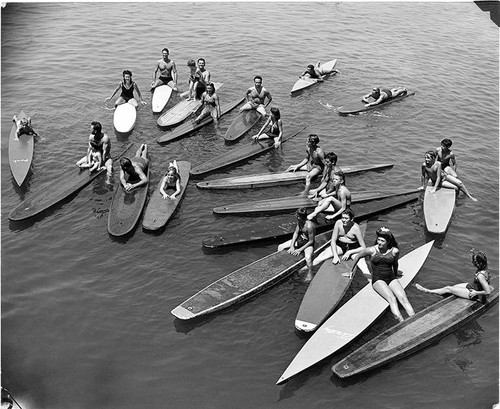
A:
<point x="20" y="153"/>
<point x="290" y="203"/>
<point x="245" y="282"/>
<point x="182" y="110"/>
<point x="359" y="106"/>
<point x="159" y="210"/>
<point x="161" y="95"/>
<point x="50" y="194"/>
<point x="190" y="127"/>
<point x="438" y="209"/>
<point x="278" y="179"/>
<point x="354" y="317"/>
<point x="124" y="117"/>
<point x="126" y="208"/>
<point x="414" y="333"/>
<point x="270" y="231"/>
<point x="305" y="82"/>
<point x="242" y="124"/>
<point x="325" y="291"/>
<point x="241" y="153"/>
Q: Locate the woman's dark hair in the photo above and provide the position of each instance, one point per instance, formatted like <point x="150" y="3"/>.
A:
<point x="96" y="129"/>
<point x="479" y="259"/>
<point x="302" y="213"/>
<point x="125" y="72"/>
<point x="349" y="212"/>
<point x="332" y="157"/>
<point x="385" y="233"/>
<point x="276" y="112"/>
<point x="126" y="163"/>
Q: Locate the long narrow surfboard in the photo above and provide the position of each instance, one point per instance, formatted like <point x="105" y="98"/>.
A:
<point x="159" y="210"/>
<point x="241" y="153"/>
<point x="278" y="179"/>
<point x="242" y="124"/>
<point x="68" y="183"/>
<point x="20" y="153"/>
<point x="182" y="110"/>
<point x="306" y="82"/>
<point x="360" y="106"/>
<point x="270" y="231"/>
<point x="414" y="333"/>
<point x="245" y="282"/>
<point x="438" y="208"/>
<point x="353" y="318"/>
<point x="290" y="203"/>
<point x="325" y="291"/>
<point x="161" y="95"/>
<point x="126" y="208"/>
<point x="124" y="117"/>
<point x="190" y="127"/>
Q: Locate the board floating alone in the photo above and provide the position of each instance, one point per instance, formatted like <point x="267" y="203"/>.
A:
<point x="359" y="106"/>
<point x="438" y="208"/>
<point x="20" y="152"/>
<point x="124" y="117"/>
<point x="305" y="82"/>
<point x="161" y="95"/>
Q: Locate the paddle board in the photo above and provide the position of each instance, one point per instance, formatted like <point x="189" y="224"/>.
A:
<point x="191" y="126"/>
<point x="354" y="317"/>
<point x="161" y="95"/>
<point x="306" y="82"/>
<point x="242" y="124"/>
<point x="245" y="282"/>
<point x="70" y="181"/>
<point x="290" y="203"/>
<point x="159" y="210"/>
<point x="124" y="117"/>
<point x="126" y="208"/>
<point x="20" y="153"/>
<point x="438" y="208"/>
<point x="242" y="152"/>
<point x="277" y="179"/>
<point x="359" y="106"/>
<point x="414" y="333"/>
<point x="182" y="110"/>
<point x="325" y="291"/>
<point x="284" y="231"/>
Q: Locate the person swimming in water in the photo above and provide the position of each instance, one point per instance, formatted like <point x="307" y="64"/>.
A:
<point x="133" y="171"/>
<point x="381" y="94"/>
<point x="275" y="130"/>
<point x="171" y="180"/>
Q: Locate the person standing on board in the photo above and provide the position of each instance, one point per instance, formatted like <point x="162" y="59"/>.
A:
<point x="336" y="200"/>
<point x="210" y="103"/>
<point x="477" y="290"/>
<point x="431" y="170"/>
<point x="256" y="97"/>
<point x="326" y="184"/>
<point x="275" y="131"/>
<point x="302" y="240"/>
<point x="383" y="257"/>
<point x="447" y="157"/>
<point x="103" y="142"/>
<point x="382" y="94"/>
<point x="168" y="72"/>
<point x="128" y="87"/>
<point x="314" y="162"/>
<point x="133" y="172"/>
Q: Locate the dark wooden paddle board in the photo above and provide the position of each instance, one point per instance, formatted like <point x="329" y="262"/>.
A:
<point x="242" y="124"/>
<point x="359" y="106"/>
<point x="20" y="153"/>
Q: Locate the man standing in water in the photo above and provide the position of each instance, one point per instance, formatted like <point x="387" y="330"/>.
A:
<point x="256" y="97"/>
<point x="168" y="72"/>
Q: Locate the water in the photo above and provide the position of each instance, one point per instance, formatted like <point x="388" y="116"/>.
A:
<point x="86" y="318"/>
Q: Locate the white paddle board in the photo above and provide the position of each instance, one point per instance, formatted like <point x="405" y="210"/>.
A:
<point x="124" y="117"/>
<point x="161" y="95"/>
<point x="438" y="208"/>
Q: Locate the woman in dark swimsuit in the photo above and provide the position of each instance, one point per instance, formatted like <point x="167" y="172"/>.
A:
<point x="210" y="103"/>
<point x="133" y="172"/>
<point x="384" y="257"/>
<point x="127" y="86"/>
<point x="275" y="128"/>
<point x="477" y="290"/>
<point x="171" y="180"/>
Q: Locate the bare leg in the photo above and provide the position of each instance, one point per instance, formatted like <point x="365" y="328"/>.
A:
<point x="285" y="245"/>
<point x="310" y="176"/>
<point x="460" y="290"/>
<point x="384" y="291"/>
<point x="457" y="182"/>
<point x="400" y="294"/>
<point x="308" y="252"/>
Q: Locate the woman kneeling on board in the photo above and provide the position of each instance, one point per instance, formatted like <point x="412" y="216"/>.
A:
<point x="476" y="290"/>
<point x="127" y="86"/>
<point x="275" y="128"/>
<point x="383" y="264"/>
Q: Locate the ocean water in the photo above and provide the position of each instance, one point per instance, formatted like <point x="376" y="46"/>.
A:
<point x="86" y="318"/>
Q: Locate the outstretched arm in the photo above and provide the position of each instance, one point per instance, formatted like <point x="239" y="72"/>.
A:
<point x="114" y="92"/>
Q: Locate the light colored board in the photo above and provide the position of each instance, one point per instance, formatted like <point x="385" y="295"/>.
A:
<point x="325" y="291"/>
<point x="161" y="95"/>
<point x="305" y="82"/>
<point x="20" y="153"/>
<point x="159" y="210"/>
<point x="359" y="106"/>
<point x="438" y="209"/>
<point x="354" y="317"/>
<point x="124" y="117"/>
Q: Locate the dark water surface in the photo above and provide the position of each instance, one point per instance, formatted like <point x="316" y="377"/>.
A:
<point x="86" y="318"/>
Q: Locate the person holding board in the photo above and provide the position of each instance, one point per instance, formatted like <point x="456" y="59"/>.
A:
<point x="127" y="86"/>
<point x="382" y="94"/>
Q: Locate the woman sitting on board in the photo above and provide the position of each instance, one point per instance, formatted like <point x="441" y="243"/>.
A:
<point x="210" y="103"/>
<point x="476" y="290"/>
<point x="383" y="264"/>
<point x="302" y="240"/>
<point x="132" y="172"/>
<point x="275" y="128"/>
<point x="431" y="170"/>
<point x="382" y="94"/>
<point x="127" y="87"/>
<point x="171" y="180"/>
<point x="23" y="127"/>
<point x="94" y="160"/>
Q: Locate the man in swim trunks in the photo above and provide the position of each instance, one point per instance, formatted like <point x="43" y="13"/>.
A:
<point x="379" y="95"/>
<point x="327" y="177"/>
<point x="104" y="144"/>
<point x="337" y="200"/>
<point x="447" y="157"/>
<point x="133" y="172"/>
<point x="168" y="72"/>
<point x="316" y="72"/>
<point x="256" y="97"/>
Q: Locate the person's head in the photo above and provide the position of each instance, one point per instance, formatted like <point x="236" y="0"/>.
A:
<point x="301" y="214"/>
<point x="257" y="80"/>
<point x="479" y="260"/>
<point x="347" y="216"/>
<point x="24" y="122"/>
<point x="201" y="63"/>
<point x="210" y="88"/>
<point x="310" y="68"/>
<point x="446" y="143"/>
<point x="313" y="140"/>
<point x="331" y="157"/>
<point x="338" y="178"/>
<point x="385" y="238"/>
<point x="96" y="128"/>
<point x="172" y="173"/>
<point x="430" y="157"/>
<point x="375" y="91"/>
<point x="191" y="63"/>
<point x="126" y="164"/>
<point x="276" y="113"/>
<point x="165" y="52"/>
<point x="127" y="75"/>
